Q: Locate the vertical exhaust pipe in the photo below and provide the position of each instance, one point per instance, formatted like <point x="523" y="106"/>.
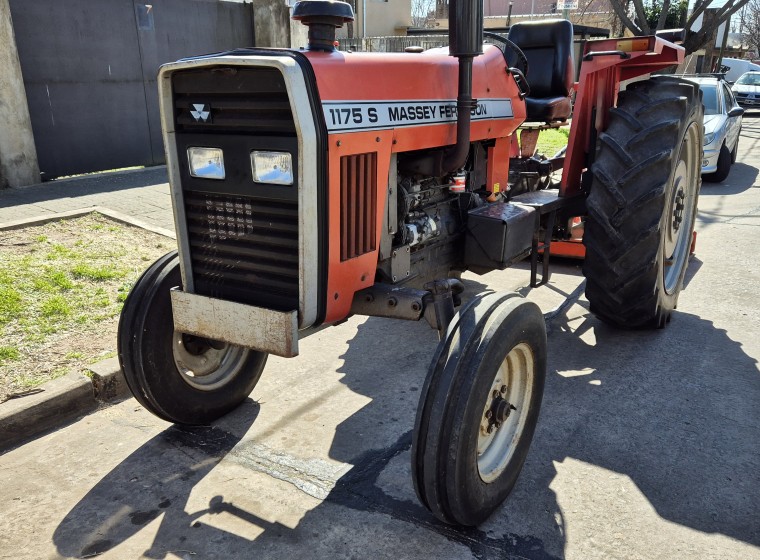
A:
<point x="465" y="43"/>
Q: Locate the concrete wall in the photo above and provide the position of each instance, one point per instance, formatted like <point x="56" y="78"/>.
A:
<point x="271" y="23"/>
<point x="387" y="18"/>
<point x="299" y="34"/>
<point x="383" y="18"/>
<point x="18" y="157"/>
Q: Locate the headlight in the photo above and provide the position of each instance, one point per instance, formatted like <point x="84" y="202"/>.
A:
<point x="272" y="167"/>
<point x="206" y="163"/>
<point x="709" y="138"/>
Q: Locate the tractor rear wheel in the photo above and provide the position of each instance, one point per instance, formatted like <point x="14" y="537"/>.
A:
<point x="479" y="407"/>
<point x="643" y="203"/>
<point x="178" y="377"/>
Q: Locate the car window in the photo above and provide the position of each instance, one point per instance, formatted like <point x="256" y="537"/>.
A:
<point x="710" y="99"/>
<point x="728" y="94"/>
<point x="749" y="80"/>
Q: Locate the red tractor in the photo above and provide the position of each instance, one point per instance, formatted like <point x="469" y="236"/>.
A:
<point x="310" y="185"/>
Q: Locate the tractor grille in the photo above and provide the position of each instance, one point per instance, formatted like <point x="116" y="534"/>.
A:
<point x="243" y="236"/>
<point x="358" y="204"/>
<point x="251" y="100"/>
<point x="243" y="249"/>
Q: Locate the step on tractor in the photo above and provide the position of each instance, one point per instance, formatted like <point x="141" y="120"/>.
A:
<point x="309" y="185"/>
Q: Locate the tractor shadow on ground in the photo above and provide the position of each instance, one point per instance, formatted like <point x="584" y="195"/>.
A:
<point x="691" y="270"/>
<point x="628" y="404"/>
<point x="674" y="410"/>
<point x="154" y="481"/>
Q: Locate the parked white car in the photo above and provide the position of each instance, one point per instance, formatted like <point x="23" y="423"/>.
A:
<point x="723" y="124"/>
<point x="747" y="89"/>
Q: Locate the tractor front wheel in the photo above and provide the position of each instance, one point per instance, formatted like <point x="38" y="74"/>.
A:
<point x="643" y="203"/>
<point x="178" y="377"/>
<point x="479" y="407"/>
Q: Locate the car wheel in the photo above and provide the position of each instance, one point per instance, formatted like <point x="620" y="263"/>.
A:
<point x="724" y="166"/>
<point x="735" y="151"/>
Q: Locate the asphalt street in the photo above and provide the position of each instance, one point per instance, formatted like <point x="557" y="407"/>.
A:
<point x="647" y="445"/>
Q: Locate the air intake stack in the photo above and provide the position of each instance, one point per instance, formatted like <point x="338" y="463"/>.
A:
<point x="465" y="43"/>
<point x="322" y="17"/>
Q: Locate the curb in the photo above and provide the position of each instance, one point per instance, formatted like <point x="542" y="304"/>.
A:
<point x="57" y="216"/>
<point x="60" y="401"/>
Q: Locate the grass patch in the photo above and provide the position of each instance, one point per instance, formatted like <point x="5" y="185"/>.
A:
<point x="8" y="354"/>
<point x="10" y="301"/>
<point x="98" y="273"/>
<point x="62" y="287"/>
<point x="553" y="140"/>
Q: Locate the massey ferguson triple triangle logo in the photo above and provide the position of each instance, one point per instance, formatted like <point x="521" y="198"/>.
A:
<point x="200" y="112"/>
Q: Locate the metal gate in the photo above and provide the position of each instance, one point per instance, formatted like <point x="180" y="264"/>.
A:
<point x="90" y="72"/>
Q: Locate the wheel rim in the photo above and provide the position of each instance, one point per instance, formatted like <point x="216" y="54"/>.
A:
<point x="505" y="412"/>
<point x="680" y="210"/>
<point x="205" y="364"/>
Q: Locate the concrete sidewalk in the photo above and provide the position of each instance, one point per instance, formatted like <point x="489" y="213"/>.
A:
<point x="142" y="194"/>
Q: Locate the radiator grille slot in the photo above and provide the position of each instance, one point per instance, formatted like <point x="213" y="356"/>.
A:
<point x="244" y="249"/>
<point x="358" y="204"/>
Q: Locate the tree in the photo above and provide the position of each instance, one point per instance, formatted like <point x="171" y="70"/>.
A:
<point x="750" y="26"/>
<point x="639" y="24"/>
<point x="675" y="17"/>
<point x="423" y="13"/>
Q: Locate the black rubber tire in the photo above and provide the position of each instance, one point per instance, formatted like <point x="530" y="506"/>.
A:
<point x="445" y="444"/>
<point x="633" y="206"/>
<point x="735" y="151"/>
<point x="145" y="340"/>
<point x="725" y="159"/>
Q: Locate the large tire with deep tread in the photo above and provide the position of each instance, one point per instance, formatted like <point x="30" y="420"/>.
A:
<point x="462" y="472"/>
<point x="643" y="202"/>
<point x="149" y="354"/>
<point x="725" y="159"/>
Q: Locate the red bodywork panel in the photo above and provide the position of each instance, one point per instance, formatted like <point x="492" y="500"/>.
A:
<point x="384" y="103"/>
<point x="398" y="102"/>
<point x="598" y="88"/>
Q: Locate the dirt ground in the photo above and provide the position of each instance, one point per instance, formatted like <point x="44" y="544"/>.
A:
<point x="62" y="286"/>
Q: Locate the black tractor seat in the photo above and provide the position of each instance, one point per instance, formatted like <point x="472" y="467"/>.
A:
<point x="548" y="46"/>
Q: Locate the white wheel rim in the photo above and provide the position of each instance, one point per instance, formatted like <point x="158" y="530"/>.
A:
<point x="680" y="210"/>
<point x="210" y="369"/>
<point x="513" y="384"/>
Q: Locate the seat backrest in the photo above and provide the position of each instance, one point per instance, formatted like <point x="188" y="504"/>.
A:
<point x="548" y="46"/>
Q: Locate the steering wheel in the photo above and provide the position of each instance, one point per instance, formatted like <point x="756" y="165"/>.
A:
<point x="515" y="57"/>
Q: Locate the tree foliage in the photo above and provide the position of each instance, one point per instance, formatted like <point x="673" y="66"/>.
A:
<point x="633" y="14"/>
<point x="674" y="18"/>
<point x="750" y="26"/>
<point x="423" y="13"/>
